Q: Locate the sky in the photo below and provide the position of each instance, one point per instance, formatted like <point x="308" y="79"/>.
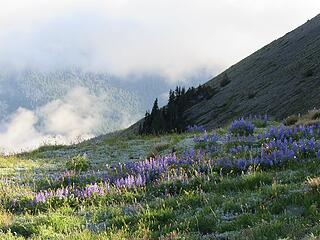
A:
<point x="172" y="38"/>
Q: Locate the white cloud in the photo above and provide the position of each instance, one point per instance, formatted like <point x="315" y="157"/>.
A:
<point x="170" y="37"/>
<point x="76" y="116"/>
<point x="20" y="132"/>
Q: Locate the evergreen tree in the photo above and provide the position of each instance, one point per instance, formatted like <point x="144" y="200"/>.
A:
<point x="171" y="117"/>
<point x="171" y="97"/>
<point x="155" y="107"/>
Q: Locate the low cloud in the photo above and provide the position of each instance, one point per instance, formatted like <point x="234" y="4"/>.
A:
<point x="20" y="132"/>
<point x="77" y="116"/>
<point x="169" y="37"/>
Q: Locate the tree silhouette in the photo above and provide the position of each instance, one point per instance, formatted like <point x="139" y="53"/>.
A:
<point x="171" y="117"/>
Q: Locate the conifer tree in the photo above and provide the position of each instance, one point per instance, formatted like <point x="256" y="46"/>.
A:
<point x="171" y="117"/>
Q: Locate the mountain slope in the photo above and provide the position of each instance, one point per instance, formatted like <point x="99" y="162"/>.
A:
<point x="280" y="79"/>
<point x="216" y="186"/>
<point x="34" y="89"/>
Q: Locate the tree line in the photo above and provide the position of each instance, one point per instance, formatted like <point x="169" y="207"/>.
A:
<point x="170" y="118"/>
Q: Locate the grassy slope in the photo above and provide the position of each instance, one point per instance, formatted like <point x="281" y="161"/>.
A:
<point x="271" y="204"/>
<point x="272" y="80"/>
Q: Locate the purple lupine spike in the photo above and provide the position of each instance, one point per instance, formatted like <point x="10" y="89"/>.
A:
<point x="40" y="198"/>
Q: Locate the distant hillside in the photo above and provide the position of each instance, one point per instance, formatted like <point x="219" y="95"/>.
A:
<point x="33" y="89"/>
<point x="123" y="100"/>
<point x="280" y="79"/>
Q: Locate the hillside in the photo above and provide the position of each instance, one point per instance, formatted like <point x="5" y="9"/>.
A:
<point x="255" y="179"/>
<point x="280" y="79"/>
<point x="120" y="100"/>
<point x="34" y="89"/>
<point x="226" y="178"/>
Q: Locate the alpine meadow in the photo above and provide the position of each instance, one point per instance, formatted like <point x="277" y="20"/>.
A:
<point x="159" y="119"/>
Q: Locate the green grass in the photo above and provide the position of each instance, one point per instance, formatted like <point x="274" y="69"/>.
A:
<point x="261" y="205"/>
<point x="275" y="203"/>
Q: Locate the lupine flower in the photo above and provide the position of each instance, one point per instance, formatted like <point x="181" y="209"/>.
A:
<point x="242" y="127"/>
<point x="196" y="128"/>
<point x="276" y="146"/>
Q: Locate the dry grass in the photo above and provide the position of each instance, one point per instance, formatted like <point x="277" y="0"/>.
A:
<point x="311" y="117"/>
<point x="157" y="149"/>
<point x="291" y="120"/>
<point x="314" y="183"/>
<point x="314" y="114"/>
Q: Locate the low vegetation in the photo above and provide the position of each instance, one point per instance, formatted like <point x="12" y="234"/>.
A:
<point x="254" y="179"/>
<point x="78" y="163"/>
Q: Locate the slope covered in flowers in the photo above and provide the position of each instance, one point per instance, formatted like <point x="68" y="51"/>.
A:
<point x="255" y="179"/>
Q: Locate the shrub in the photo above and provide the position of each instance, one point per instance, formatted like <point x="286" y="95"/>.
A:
<point x="242" y="127"/>
<point x="78" y="163"/>
<point x="291" y="120"/>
